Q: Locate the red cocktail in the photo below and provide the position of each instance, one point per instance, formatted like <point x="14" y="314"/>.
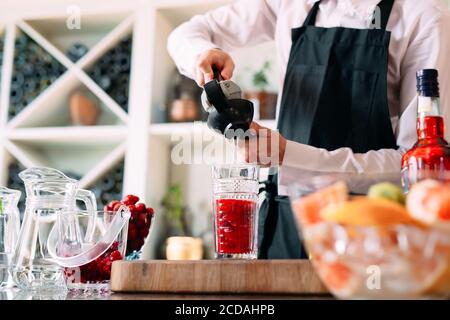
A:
<point x="234" y="223"/>
<point x="236" y="211"/>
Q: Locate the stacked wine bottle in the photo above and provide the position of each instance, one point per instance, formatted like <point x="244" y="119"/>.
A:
<point x="34" y="71"/>
<point x="109" y="186"/>
<point x="76" y="51"/>
<point x="112" y="72"/>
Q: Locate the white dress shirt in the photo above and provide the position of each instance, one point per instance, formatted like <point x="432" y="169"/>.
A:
<point x="420" y="39"/>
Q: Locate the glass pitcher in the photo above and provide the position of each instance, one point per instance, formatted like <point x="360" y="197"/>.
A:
<point x="9" y="231"/>
<point x="48" y="193"/>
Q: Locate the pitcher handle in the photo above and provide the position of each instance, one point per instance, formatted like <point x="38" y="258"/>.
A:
<point x="88" y="197"/>
<point x="94" y="251"/>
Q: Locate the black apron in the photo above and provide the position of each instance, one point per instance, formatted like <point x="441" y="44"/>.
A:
<point x="334" y="96"/>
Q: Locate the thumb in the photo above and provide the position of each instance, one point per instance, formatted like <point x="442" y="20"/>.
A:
<point x="255" y="126"/>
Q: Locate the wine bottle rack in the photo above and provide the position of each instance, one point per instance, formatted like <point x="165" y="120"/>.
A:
<point x="34" y="71"/>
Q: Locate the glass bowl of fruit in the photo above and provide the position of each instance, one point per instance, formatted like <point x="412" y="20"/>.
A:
<point x="139" y="225"/>
<point x="383" y="245"/>
<point x="87" y="245"/>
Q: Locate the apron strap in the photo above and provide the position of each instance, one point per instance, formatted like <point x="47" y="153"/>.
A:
<point x="311" y="18"/>
<point x="385" y="9"/>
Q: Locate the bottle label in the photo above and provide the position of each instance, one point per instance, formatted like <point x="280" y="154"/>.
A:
<point x="425" y="104"/>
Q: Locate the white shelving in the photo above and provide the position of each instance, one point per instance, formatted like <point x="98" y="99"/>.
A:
<point x="41" y="134"/>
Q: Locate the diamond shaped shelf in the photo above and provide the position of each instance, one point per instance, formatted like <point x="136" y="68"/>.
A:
<point x="75" y="43"/>
<point x="78" y="158"/>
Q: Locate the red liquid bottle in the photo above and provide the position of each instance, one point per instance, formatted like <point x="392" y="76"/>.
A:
<point x="431" y="153"/>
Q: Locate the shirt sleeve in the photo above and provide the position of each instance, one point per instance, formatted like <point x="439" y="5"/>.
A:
<point x="429" y="47"/>
<point x="244" y="23"/>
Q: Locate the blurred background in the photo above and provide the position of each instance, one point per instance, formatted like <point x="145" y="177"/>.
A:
<point x="88" y="87"/>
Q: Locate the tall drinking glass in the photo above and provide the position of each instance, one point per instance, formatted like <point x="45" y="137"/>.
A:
<point x="235" y="203"/>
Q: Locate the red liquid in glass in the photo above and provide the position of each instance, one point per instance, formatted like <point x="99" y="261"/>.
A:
<point x="234" y="226"/>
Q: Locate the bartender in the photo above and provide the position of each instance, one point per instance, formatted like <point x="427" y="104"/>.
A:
<point x="348" y="100"/>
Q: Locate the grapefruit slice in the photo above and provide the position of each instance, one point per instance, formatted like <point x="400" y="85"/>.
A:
<point x="429" y="202"/>
<point x="307" y="209"/>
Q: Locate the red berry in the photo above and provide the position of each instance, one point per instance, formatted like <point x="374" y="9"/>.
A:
<point x="114" y="246"/>
<point x="130" y="199"/>
<point x="117" y="207"/>
<point x="113" y="203"/>
<point x="142" y="219"/>
<point x="107" y="208"/>
<point x="139" y="243"/>
<point x="150" y="211"/>
<point x="116" y="255"/>
<point x="132" y="208"/>
<point x="143" y="232"/>
<point x="132" y="232"/>
<point x="140" y="207"/>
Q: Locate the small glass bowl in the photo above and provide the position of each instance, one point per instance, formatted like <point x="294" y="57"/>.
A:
<point x="94" y="277"/>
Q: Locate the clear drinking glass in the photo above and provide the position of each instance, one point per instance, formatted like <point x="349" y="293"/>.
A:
<point x="9" y="231"/>
<point x="235" y="203"/>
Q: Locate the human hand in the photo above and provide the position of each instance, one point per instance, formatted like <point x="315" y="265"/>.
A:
<point x="214" y="58"/>
<point x="266" y="147"/>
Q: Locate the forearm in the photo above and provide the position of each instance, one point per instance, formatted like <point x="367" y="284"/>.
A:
<point x="244" y="23"/>
<point x="358" y="170"/>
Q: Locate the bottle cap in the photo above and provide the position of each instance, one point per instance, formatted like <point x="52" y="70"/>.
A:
<point x="427" y="82"/>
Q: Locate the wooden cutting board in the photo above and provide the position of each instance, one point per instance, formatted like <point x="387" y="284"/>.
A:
<point x="216" y="276"/>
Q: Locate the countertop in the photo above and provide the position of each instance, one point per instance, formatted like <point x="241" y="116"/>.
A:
<point x="14" y="294"/>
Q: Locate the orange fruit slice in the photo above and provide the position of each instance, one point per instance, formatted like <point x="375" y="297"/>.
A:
<point x="364" y="211"/>
<point x="307" y="209"/>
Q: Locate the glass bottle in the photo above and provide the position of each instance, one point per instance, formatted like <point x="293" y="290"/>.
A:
<point x="431" y="152"/>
